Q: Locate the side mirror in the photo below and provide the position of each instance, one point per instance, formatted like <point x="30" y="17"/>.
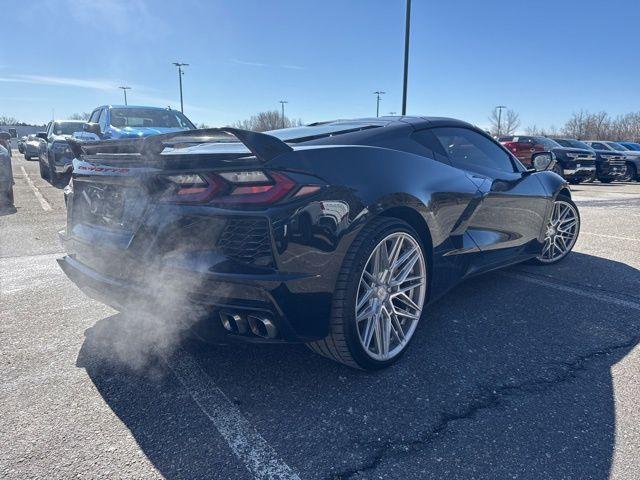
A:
<point x="42" y="135"/>
<point x="542" y="161"/>
<point x="92" y="128"/>
<point x="13" y="132"/>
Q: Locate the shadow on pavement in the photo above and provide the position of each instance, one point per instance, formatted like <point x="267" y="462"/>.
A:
<point x="504" y="378"/>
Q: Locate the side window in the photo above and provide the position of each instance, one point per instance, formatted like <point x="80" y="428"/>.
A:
<point x="470" y="150"/>
<point x="598" y="146"/>
<point x="103" y="120"/>
<point x="50" y="129"/>
<point x="428" y="140"/>
<point x="94" y="116"/>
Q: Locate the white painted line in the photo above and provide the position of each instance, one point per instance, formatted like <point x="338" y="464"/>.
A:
<point x="245" y="442"/>
<point x="611" y="236"/>
<point x="589" y="293"/>
<point x="43" y="201"/>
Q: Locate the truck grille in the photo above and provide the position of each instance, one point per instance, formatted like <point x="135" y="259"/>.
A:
<point x="247" y="240"/>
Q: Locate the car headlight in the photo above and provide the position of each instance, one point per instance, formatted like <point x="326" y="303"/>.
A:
<point x="607" y="157"/>
<point x="572" y="155"/>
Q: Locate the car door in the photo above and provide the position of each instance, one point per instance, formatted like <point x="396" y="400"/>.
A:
<point x="508" y="221"/>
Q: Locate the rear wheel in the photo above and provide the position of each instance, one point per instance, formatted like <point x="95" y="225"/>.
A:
<point x="379" y="297"/>
<point x="562" y="232"/>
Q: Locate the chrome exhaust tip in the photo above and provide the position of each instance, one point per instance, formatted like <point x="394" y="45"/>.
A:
<point x="234" y="322"/>
<point x="262" y="326"/>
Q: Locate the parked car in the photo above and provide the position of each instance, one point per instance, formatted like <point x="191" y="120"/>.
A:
<point x="21" y="142"/>
<point x="631" y="157"/>
<point x="6" y="180"/>
<point x="220" y="230"/>
<point x="127" y="121"/>
<point x="5" y="141"/>
<point x="574" y="164"/>
<point x="631" y="146"/>
<point x="609" y="166"/>
<point x="32" y="146"/>
<point x="55" y="156"/>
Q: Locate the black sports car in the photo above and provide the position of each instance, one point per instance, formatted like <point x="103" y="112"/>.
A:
<point x="336" y="234"/>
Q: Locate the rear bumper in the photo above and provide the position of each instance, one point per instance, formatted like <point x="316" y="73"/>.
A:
<point x="204" y="295"/>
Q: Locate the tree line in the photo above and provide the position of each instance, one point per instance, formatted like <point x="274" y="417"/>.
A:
<point x="585" y="125"/>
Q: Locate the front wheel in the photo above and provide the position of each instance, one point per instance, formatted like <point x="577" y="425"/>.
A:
<point x="43" y="170"/>
<point x="630" y="173"/>
<point x="53" y="175"/>
<point x="379" y="297"/>
<point x="562" y="232"/>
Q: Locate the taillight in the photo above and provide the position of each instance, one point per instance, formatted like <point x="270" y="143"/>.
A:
<point x="233" y="188"/>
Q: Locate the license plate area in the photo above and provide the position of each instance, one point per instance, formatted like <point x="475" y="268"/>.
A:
<point x="107" y="205"/>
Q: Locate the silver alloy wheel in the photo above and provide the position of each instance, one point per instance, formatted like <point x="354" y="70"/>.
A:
<point x="390" y="296"/>
<point x="562" y="232"/>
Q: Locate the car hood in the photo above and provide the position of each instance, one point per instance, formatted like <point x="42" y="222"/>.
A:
<point x="60" y="138"/>
<point x="135" y="132"/>
<point x="581" y="151"/>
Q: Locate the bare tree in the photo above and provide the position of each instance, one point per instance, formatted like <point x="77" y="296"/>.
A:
<point x="503" y="124"/>
<point x="5" y="120"/>
<point x="585" y="125"/>
<point x="270" y="120"/>
<point x="80" y="116"/>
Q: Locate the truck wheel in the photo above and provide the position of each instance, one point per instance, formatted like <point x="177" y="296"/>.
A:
<point x="53" y="175"/>
<point x="43" y="170"/>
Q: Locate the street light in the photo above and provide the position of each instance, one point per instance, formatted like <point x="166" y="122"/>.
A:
<point x="180" y="73"/>
<point x="282" y="102"/>
<point x="499" y="108"/>
<point x="406" y="57"/>
<point x="377" y="94"/>
<point x="124" y="90"/>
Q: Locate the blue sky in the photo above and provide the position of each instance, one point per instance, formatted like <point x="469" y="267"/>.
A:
<point x="545" y="59"/>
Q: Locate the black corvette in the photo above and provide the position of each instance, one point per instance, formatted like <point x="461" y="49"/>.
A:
<point x="336" y="234"/>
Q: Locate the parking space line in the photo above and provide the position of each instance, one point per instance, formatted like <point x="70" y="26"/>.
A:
<point x="243" y="439"/>
<point x="43" y="202"/>
<point x="583" y="292"/>
<point x="611" y="236"/>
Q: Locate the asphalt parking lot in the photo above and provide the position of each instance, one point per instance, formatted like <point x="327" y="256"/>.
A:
<point x="526" y="373"/>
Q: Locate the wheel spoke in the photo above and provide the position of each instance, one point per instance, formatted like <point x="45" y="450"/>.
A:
<point x="390" y="296"/>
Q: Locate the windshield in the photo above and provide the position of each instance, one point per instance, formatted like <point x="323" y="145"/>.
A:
<point x="547" y="142"/>
<point x="572" y="143"/>
<point x="67" y="128"/>
<point x="617" y="146"/>
<point x="149" y="117"/>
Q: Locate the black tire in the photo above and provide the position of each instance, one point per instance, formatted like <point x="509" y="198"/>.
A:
<point x="27" y="157"/>
<point x="563" y="198"/>
<point x="575" y="181"/>
<point x="343" y="344"/>
<point x="631" y="173"/>
<point x="606" y="180"/>
<point x="53" y="175"/>
<point x="44" y="171"/>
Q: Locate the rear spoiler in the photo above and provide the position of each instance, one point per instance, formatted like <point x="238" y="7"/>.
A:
<point x="264" y="147"/>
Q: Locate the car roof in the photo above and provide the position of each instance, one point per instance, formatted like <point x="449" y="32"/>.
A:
<point x="133" y="106"/>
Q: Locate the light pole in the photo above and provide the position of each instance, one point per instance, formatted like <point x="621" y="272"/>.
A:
<point x="499" y="108"/>
<point x="377" y="94"/>
<point x="406" y="57"/>
<point x="124" y="90"/>
<point x="180" y="73"/>
<point x="282" y="102"/>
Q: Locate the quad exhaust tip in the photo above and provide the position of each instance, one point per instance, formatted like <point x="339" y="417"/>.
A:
<point x="234" y="322"/>
<point x="260" y="325"/>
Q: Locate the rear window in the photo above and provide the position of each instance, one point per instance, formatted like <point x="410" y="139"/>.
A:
<point x="306" y="134"/>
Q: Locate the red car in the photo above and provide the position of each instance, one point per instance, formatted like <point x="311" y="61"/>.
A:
<point x="525" y="146"/>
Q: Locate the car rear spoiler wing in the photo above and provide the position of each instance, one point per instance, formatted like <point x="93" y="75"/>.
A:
<point x="264" y="147"/>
